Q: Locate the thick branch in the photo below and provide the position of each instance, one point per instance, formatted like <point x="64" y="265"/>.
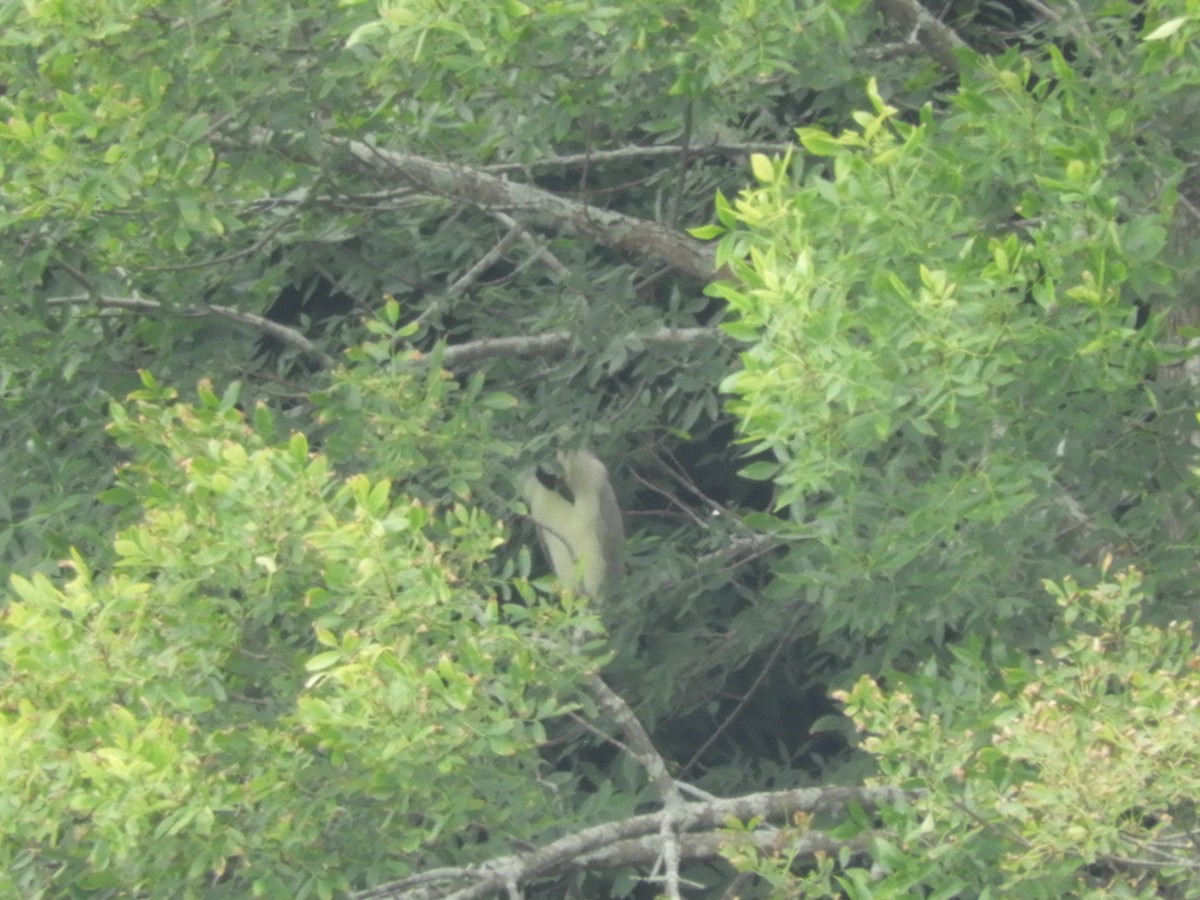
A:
<point x="569" y="851"/>
<point x="938" y="39"/>
<point x="627" y="234"/>
<point x="656" y="767"/>
<point x="638" y="152"/>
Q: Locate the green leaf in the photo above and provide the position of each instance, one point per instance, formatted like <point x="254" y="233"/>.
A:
<point x="760" y="471"/>
<point x="706" y="232"/>
<point x="818" y="142"/>
<point x="763" y="168"/>
<point x="1166" y="29"/>
<point x="323" y="661"/>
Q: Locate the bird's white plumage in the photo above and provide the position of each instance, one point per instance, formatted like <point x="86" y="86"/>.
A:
<point x="582" y="532"/>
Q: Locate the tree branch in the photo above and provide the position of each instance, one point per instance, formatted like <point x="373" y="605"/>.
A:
<point x="281" y="333"/>
<point x="555" y="344"/>
<point x="460" y="356"/>
<point x="939" y="40"/>
<point x="627" y="234"/>
<point x="645" y="753"/>
<point x="783" y="641"/>
<point x="625" y="154"/>
<point x="597" y="843"/>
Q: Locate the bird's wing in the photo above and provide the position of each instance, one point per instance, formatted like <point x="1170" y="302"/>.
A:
<point x="612" y="536"/>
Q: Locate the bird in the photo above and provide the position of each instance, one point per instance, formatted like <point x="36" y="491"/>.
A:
<point x="578" y="521"/>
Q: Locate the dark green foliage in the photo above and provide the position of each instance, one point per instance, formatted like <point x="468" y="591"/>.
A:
<point x="292" y="646"/>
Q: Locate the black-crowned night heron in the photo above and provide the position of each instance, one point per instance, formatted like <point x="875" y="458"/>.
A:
<point x="579" y="522"/>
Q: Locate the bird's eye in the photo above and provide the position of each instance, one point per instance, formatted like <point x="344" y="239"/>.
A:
<point x="551" y="478"/>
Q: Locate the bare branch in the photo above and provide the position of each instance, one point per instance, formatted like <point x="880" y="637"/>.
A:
<point x="540" y="252"/>
<point x="555" y="344"/>
<point x="627" y="234"/>
<point x="570" y="851"/>
<point x="282" y="333"/>
<point x="625" y="154"/>
<point x="644" y="751"/>
<point x="939" y="40"/>
<point x="463" y="284"/>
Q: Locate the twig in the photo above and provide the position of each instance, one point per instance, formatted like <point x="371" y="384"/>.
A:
<point x="281" y="333"/>
<point x="463" y="284"/>
<point x="784" y="640"/>
<point x="1053" y="15"/>
<point x="554" y="344"/>
<point x="539" y="251"/>
<point x="231" y="257"/>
